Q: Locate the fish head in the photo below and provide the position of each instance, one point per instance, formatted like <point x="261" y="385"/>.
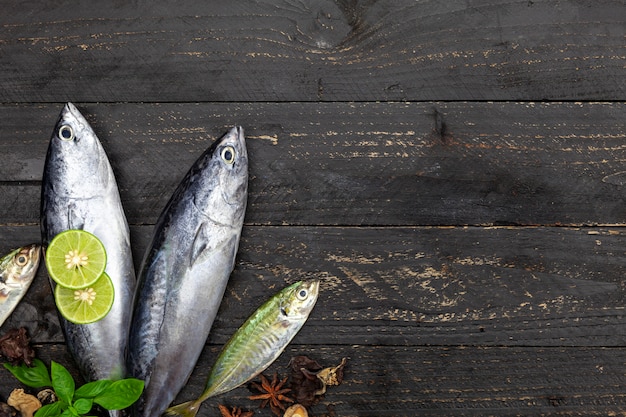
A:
<point x="298" y="300"/>
<point x="75" y="155"/>
<point x="224" y="167"/>
<point x="19" y="267"/>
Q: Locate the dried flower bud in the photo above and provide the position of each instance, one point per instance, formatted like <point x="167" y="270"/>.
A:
<point x="47" y="396"/>
<point x="331" y="376"/>
<point x="296" y="410"/>
<point x="26" y="404"/>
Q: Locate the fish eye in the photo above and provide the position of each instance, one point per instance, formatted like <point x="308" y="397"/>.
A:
<point x="66" y="133"/>
<point x="228" y="155"/>
<point x="21" y="260"/>
<point x="302" y="294"/>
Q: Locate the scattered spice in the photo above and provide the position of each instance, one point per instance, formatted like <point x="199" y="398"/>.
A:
<point x="309" y="381"/>
<point x="304" y="382"/>
<point x="331" y="376"/>
<point x="296" y="410"/>
<point x="15" y="346"/>
<point x="7" y="411"/>
<point x="234" y="412"/>
<point x="331" y="411"/>
<point x="47" y="396"/>
<point x="272" y="393"/>
<point x="26" y="404"/>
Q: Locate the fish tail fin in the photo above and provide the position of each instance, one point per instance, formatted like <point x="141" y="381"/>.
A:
<point x="188" y="409"/>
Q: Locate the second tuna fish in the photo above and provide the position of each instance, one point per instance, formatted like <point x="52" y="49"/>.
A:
<point x="185" y="271"/>
<point x="79" y="191"/>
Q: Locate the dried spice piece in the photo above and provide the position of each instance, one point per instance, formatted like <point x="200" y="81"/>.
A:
<point x="331" y="411"/>
<point x="296" y="410"/>
<point x="303" y="380"/>
<point x="331" y="376"/>
<point x="234" y="412"/>
<point x="7" y="411"/>
<point x="309" y="380"/>
<point x="15" y="346"/>
<point x="272" y="393"/>
<point x="47" y="396"/>
<point x="26" y="404"/>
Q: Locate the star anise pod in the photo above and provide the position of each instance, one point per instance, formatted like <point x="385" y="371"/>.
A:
<point x="15" y="345"/>
<point x="234" y="412"/>
<point x="272" y="393"/>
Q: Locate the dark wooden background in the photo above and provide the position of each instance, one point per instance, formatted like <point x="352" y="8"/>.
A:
<point x="454" y="171"/>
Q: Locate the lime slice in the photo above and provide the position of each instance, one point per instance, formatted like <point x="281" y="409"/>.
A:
<point x="75" y="259"/>
<point x="85" y="305"/>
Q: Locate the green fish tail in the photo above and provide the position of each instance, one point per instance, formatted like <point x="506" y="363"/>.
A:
<point x="188" y="409"/>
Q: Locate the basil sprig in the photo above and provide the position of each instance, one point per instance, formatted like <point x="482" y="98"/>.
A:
<point x="110" y="395"/>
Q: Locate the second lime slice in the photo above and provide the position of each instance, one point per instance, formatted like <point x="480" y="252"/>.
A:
<point x="75" y="259"/>
<point x="86" y="305"/>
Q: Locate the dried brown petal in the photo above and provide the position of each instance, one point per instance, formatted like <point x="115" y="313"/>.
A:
<point x="298" y="362"/>
<point x="26" y="404"/>
<point x="15" y="346"/>
<point x="304" y="382"/>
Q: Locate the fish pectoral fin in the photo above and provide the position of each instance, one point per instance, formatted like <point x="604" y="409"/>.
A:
<point x="210" y="240"/>
<point x="200" y="244"/>
<point x="74" y="219"/>
<point x="4" y="293"/>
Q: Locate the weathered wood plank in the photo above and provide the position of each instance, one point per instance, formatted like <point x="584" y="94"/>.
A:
<point x="318" y="50"/>
<point x="411" y="286"/>
<point x="353" y="163"/>
<point x="460" y="381"/>
<point x="433" y="381"/>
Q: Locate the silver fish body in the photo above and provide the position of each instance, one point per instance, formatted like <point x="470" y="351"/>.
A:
<point x="17" y="271"/>
<point x="185" y="271"/>
<point x="79" y="191"/>
<point x="257" y="343"/>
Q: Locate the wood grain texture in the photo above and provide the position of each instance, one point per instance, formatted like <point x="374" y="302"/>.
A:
<point x="353" y="163"/>
<point x="452" y="170"/>
<point x="411" y="286"/>
<point x="437" y="381"/>
<point x="321" y="50"/>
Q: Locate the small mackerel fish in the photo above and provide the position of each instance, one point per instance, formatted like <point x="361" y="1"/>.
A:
<point x="79" y="191"/>
<point x="257" y="343"/>
<point x="185" y="271"/>
<point x="17" y="271"/>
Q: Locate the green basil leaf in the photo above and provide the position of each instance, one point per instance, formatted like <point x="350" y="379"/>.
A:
<point x="92" y="389"/>
<point x="68" y="413"/>
<point x="120" y="394"/>
<point x="50" y="410"/>
<point x="83" y="405"/>
<point x="62" y="382"/>
<point x="34" y="377"/>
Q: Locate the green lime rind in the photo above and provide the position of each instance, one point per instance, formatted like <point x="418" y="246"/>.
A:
<point x="86" y="305"/>
<point x="81" y="243"/>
